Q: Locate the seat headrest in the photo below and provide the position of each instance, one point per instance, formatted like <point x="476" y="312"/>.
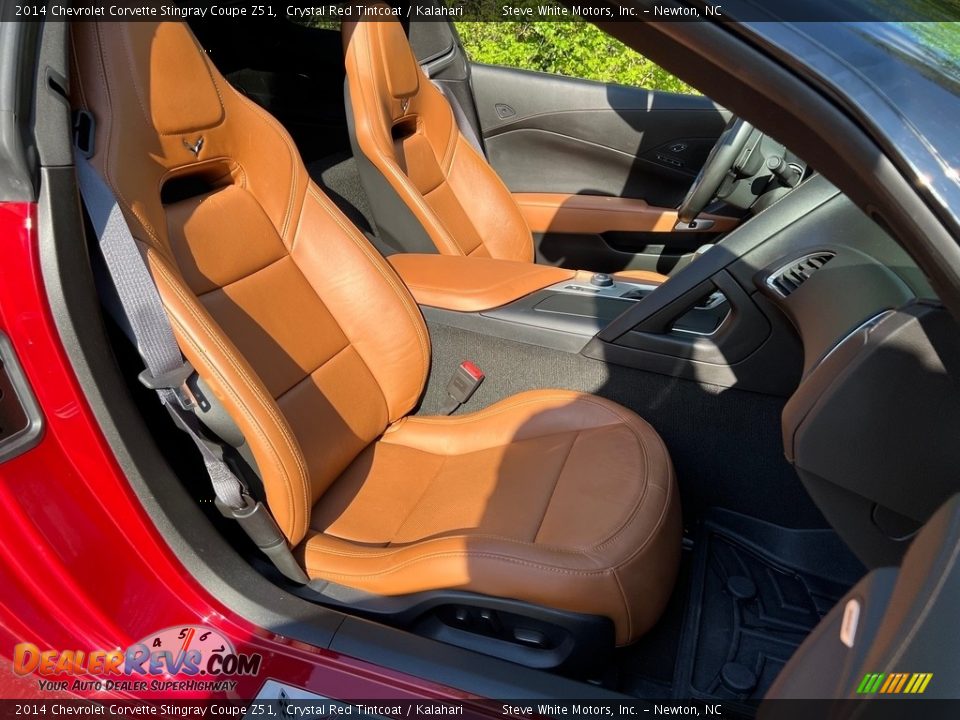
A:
<point x="166" y="122"/>
<point x="403" y="73"/>
<point x="389" y="45"/>
<point x="177" y="91"/>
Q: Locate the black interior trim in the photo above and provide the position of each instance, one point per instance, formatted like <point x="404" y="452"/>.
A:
<point x="17" y="53"/>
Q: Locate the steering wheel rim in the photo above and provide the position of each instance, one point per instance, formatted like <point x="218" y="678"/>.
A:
<point x="715" y="168"/>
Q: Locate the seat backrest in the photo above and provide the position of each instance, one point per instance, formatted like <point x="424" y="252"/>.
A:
<point x="301" y="330"/>
<point x="407" y="137"/>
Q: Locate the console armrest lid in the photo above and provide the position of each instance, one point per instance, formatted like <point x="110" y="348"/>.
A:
<point x="472" y="284"/>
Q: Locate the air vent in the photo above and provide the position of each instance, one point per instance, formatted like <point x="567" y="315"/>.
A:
<point x="788" y="278"/>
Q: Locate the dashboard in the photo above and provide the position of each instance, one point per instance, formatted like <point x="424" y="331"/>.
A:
<point x="872" y="411"/>
<point x="872" y="425"/>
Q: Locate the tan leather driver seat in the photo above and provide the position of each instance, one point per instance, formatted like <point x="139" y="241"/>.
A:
<point x="318" y="352"/>
<point x="429" y="178"/>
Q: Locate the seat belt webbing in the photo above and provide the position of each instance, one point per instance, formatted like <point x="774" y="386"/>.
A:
<point x="460" y="116"/>
<point x="166" y="370"/>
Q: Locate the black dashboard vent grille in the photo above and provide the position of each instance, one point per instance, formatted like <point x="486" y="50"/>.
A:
<point x="787" y="279"/>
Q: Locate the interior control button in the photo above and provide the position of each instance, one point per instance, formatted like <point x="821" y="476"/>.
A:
<point x="491" y="622"/>
<point x="530" y="637"/>
<point x="601" y="280"/>
<point x="788" y="174"/>
<point x="698" y="224"/>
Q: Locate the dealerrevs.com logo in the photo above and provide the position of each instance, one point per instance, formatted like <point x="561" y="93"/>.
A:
<point x="189" y="657"/>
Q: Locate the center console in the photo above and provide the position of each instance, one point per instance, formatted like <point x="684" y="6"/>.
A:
<point x="702" y="324"/>
<point x="586" y="304"/>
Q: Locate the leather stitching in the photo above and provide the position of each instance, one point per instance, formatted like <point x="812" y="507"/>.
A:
<point x="125" y="39"/>
<point x="461" y="554"/>
<point x="426" y="488"/>
<point x="388" y="275"/>
<point x="318" y="367"/>
<point x="301" y="525"/>
<point x="500" y="408"/>
<point x="553" y="490"/>
<point x="626" y="604"/>
<point x="445" y="183"/>
<point x="294" y="157"/>
<point x="452" y="144"/>
<point x="496" y="286"/>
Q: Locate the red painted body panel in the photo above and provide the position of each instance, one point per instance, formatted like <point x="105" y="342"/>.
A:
<point x="81" y="565"/>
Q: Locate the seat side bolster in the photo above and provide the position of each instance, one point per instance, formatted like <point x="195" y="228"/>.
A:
<point x="489" y="204"/>
<point x="241" y="392"/>
<point x="375" y="310"/>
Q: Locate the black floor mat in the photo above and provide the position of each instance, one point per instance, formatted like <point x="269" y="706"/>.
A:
<point x="756" y="591"/>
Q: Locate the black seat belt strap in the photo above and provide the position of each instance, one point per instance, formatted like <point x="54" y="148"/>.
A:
<point x="166" y="371"/>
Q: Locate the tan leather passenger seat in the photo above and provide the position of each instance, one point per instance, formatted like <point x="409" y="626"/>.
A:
<point x="318" y="352"/>
<point x="406" y="128"/>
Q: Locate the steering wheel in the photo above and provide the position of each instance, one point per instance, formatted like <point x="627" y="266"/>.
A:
<point x="719" y="162"/>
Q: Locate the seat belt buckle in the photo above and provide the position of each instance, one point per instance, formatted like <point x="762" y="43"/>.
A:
<point x="177" y="382"/>
<point x="464" y="383"/>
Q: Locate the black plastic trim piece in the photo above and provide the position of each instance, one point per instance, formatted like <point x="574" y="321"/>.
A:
<point x="579" y="641"/>
<point x="880" y="409"/>
<point x="16" y="403"/>
<point x="17" y="53"/>
<point x="452" y="666"/>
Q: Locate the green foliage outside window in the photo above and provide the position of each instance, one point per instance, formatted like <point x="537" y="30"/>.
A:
<point x="573" y="48"/>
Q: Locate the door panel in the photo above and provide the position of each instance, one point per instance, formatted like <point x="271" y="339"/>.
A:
<point x="564" y="136"/>
<point x="606" y="234"/>
<point x="597" y="214"/>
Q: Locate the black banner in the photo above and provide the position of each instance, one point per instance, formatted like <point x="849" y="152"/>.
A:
<point x="323" y="709"/>
<point x="493" y="10"/>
